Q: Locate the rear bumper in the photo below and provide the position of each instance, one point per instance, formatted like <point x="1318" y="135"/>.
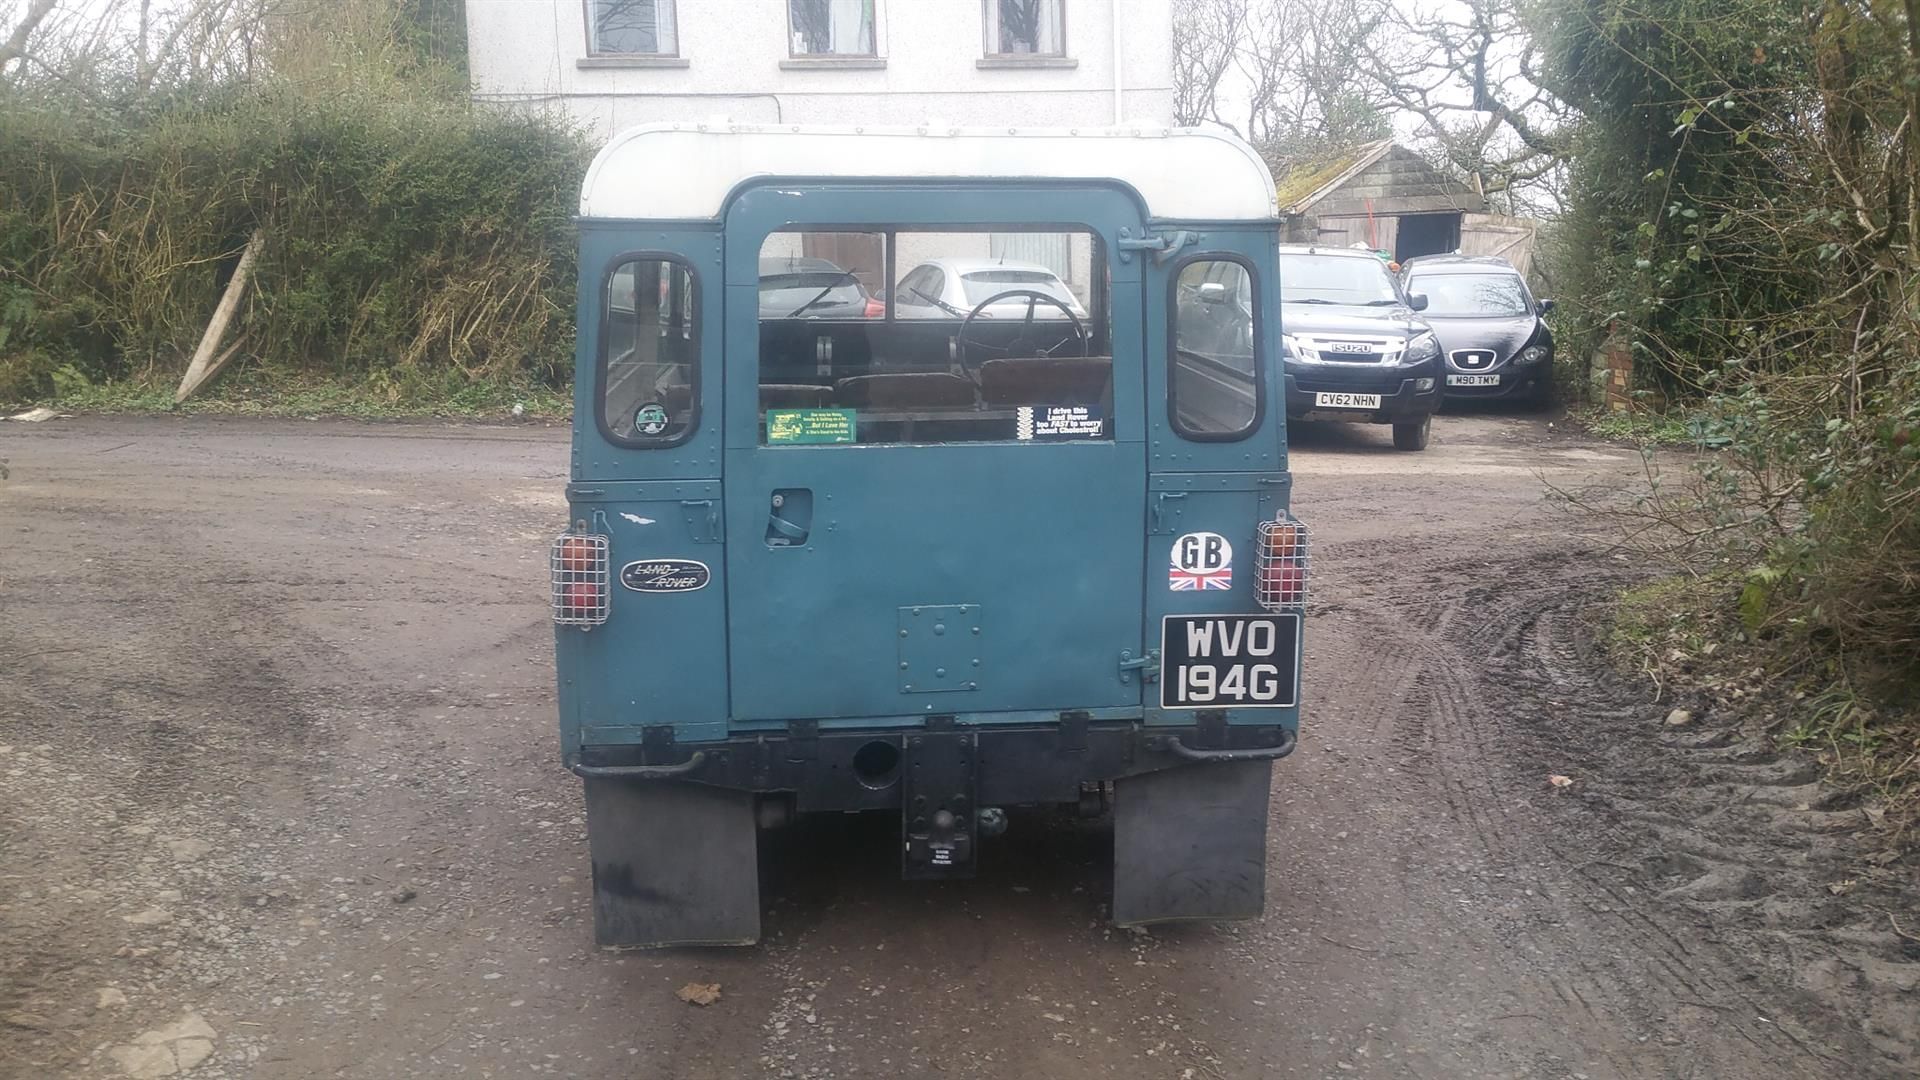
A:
<point x="1013" y="766"/>
<point x="1399" y="400"/>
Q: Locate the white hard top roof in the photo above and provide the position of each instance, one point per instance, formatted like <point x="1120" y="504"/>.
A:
<point x="686" y="171"/>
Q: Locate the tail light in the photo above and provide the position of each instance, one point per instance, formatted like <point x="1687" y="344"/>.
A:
<point x="577" y="567"/>
<point x="876" y="309"/>
<point x="1281" y="560"/>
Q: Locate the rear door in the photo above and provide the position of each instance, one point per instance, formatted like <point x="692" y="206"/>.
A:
<point x="922" y="524"/>
<point x="1217" y="462"/>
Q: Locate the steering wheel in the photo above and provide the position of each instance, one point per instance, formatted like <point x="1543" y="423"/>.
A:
<point x="1023" y="344"/>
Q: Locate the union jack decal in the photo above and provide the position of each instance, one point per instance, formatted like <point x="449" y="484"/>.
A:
<point x="1179" y="580"/>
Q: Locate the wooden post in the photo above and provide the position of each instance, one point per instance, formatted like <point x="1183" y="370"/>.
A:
<point x="205" y="364"/>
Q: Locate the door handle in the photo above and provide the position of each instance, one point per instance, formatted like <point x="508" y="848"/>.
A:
<point x="789" y="517"/>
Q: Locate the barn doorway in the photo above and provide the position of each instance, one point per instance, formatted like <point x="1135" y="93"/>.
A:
<point x="1426" y="234"/>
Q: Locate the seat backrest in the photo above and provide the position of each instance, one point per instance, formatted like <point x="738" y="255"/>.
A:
<point x="1059" y="380"/>
<point x="907" y="390"/>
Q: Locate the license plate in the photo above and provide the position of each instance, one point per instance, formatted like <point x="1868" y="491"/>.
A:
<point x="1346" y="401"/>
<point x="1230" y="661"/>
<point x="1473" y="380"/>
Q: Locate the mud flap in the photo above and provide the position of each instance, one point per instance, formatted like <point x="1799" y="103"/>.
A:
<point x="673" y="864"/>
<point x="1191" y="843"/>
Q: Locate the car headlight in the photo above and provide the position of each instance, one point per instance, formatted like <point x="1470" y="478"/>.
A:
<point x="1288" y="347"/>
<point x="1533" y="354"/>
<point x="1423" y="348"/>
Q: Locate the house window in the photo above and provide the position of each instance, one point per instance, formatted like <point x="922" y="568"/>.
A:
<point x="831" y="27"/>
<point x="632" y="28"/>
<point x="1025" y="28"/>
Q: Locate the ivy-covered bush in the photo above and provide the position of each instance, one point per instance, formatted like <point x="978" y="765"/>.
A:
<point x="400" y="232"/>
<point x="1746" y="194"/>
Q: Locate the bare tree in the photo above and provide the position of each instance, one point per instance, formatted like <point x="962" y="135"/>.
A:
<point x="1468" y="71"/>
<point x="1283" y="74"/>
<point x="15" y="45"/>
<point x="1206" y="38"/>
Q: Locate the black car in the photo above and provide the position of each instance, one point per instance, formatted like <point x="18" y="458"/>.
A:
<point x="1489" y="325"/>
<point x="1354" y="345"/>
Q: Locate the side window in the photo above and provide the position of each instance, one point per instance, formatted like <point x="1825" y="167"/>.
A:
<point x="1212" y="372"/>
<point x="649" y="353"/>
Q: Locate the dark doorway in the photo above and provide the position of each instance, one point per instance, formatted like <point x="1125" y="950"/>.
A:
<point x="1426" y="234"/>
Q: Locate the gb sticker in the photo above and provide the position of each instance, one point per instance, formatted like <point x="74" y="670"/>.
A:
<point x="1201" y="560"/>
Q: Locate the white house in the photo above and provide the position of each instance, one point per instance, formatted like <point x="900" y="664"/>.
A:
<point x="612" y="64"/>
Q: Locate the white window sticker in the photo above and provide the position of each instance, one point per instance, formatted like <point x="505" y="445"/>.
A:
<point x="1201" y="561"/>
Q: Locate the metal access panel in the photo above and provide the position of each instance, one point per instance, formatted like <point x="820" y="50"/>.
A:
<point x="940" y="648"/>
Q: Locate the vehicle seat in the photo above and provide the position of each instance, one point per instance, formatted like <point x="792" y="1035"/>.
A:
<point x="794" y="396"/>
<point x="908" y="390"/>
<point x="1043" y="380"/>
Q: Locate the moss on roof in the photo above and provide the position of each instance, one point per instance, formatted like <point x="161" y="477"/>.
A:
<point x="1295" y="181"/>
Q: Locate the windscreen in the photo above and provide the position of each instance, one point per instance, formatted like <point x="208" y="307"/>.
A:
<point x="1490" y="295"/>
<point x="813" y="288"/>
<point x="1335" y="279"/>
<point x="911" y="336"/>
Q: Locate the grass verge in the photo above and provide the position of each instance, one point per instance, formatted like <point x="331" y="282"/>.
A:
<point x="386" y="394"/>
<point x="1682" y="633"/>
<point x="1637" y="426"/>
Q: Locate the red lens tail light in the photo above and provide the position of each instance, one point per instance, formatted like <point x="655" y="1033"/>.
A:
<point x="577" y="567"/>
<point x="1281" y="559"/>
<point x="876" y="309"/>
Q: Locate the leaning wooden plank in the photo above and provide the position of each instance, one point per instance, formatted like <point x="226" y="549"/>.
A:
<point x="204" y="365"/>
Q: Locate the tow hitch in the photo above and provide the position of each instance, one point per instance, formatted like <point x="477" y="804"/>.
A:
<point x="937" y="803"/>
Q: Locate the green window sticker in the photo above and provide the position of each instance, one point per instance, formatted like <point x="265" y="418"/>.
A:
<point x="810" y="426"/>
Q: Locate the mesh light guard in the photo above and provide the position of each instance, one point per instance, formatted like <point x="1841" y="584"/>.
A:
<point x="567" y="570"/>
<point x="1280" y="565"/>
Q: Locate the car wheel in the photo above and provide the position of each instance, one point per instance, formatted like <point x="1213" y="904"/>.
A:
<point x="1413" y="434"/>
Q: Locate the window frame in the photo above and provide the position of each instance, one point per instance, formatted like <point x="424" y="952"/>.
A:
<point x="1100" y="300"/>
<point x="873" y="53"/>
<point x="989" y="49"/>
<point x="602" y="360"/>
<point x="594" y="52"/>
<point x="1260" y="376"/>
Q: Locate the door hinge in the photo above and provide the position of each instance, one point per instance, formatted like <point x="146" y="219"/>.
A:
<point x="1164" y="513"/>
<point x="703" y="520"/>
<point x="1147" y="665"/>
<point x="1163" y="246"/>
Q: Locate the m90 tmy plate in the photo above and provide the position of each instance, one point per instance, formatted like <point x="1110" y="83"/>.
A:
<point x="1346" y="401"/>
<point x="1473" y="380"/>
<point x="1230" y="661"/>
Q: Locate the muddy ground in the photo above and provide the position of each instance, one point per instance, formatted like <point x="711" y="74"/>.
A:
<point x="279" y="797"/>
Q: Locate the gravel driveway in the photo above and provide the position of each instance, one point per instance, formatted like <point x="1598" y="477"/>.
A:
<point x="279" y="797"/>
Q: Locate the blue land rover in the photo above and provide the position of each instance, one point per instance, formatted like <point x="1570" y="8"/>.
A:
<point x="917" y="555"/>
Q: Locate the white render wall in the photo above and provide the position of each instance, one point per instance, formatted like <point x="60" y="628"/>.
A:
<point x="533" y="54"/>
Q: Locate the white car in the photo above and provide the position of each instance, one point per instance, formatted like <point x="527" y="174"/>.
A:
<point x="951" y="288"/>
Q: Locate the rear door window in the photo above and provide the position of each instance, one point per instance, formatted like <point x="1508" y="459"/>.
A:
<point x="649" y="353"/>
<point x="964" y="336"/>
<point x="1213" y="391"/>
